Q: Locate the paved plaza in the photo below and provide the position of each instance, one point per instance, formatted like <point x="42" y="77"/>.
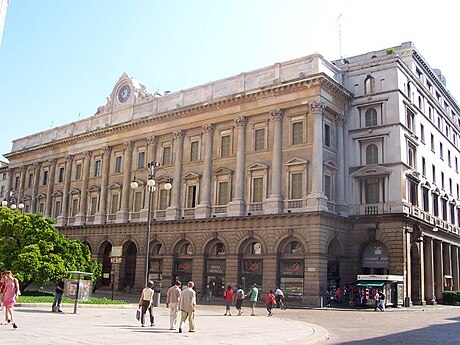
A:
<point x="117" y="325"/>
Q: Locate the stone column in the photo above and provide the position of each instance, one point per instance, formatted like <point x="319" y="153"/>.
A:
<point x="37" y="168"/>
<point x="62" y="218"/>
<point x="174" y="211"/>
<point x="203" y="210"/>
<point x="447" y="264"/>
<point x="340" y="161"/>
<point x="274" y="203"/>
<point x="152" y="142"/>
<point x="429" y="271"/>
<point x="455" y="268"/>
<point x="50" y="187"/>
<point x="422" y="272"/>
<point x="80" y="218"/>
<point x="101" y="214"/>
<point x="316" y="200"/>
<point x="237" y="207"/>
<point x="439" y="272"/>
<point x="22" y="178"/>
<point x="123" y="214"/>
<point x="9" y="182"/>
<point x="408" y="300"/>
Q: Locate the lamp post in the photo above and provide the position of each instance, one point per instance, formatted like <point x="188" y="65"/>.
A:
<point x="9" y="200"/>
<point x="153" y="168"/>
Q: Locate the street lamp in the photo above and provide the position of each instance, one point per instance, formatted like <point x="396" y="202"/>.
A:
<point x="153" y="168"/>
<point x="9" y="200"/>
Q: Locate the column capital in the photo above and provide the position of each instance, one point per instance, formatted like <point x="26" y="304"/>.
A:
<point x="180" y="134"/>
<point x="340" y="120"/>
<point x="317" y="107"/>
<point x="51" y="161"/>
<point x="106" y="150"/>
<point x="128" y="145"/>
<point x="152" y="139"/>
<point x="22" y="167"/>
<point x="208" y="128"/>
<point x="241" y="121"/>
<point x="87" y="154"/>
<point x="277" y="114"/>
<point x="68" y="157"/>
<point x="37" y="165"/>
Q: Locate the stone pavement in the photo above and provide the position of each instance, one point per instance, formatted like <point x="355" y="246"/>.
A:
<point x="115" y="325"/>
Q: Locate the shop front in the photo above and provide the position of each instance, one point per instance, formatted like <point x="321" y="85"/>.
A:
<point x="291" y="276"/>
<point x="155" y="273"/>
<point x="251" y="272"/>
<point x="183" y="270"/>
<point x="215" y="277"/>
<point x="367" y="285"/>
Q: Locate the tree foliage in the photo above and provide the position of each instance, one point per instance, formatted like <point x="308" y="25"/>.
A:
<point x="36" y="253"/>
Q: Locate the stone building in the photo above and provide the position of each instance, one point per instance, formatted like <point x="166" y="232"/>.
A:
<point x="304" y="174"/>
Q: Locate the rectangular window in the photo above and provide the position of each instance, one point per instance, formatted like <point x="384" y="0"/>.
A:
<point x="327" y="135"/>
<point x="411" y="155"/>
<point x="433" y="172"/>
<point x="191" y="196"/>
<point x="442" y="180"/>
<point x="456" y="164"/>
<point x="114" y="204"/>
<point x="328" y="186"/>
<point x="166" y="155"/>
<point x="137" y="201"/>
<point x="450" y="186"/>
<point x="297" y="133"/>
<point x="441" y="151"/>
<point x="141" y="160"/>
<point x="422" y="133"/>
<point x="372" y="190"/>
<point x="410" y="120"/>
<point x="16" y="183"/>
<point x="425" y="199"/>
<point x="435" y="205"/>
<point x="61" y="175"/>
<point x="432" y="143"/>
<point x="45" y="177"/>
<point x="30" y="182"/>
<point x="78" y="172"/>
<point x="74" y="209"/>
<point x="93" y="208"/>
<point x="194" y="151"/>
<point x="97" y="168"/>
<point x="222" y="198"/>
<point x="118" y="160"/>
<point x="449" y="161"/>
<point x="57" y="209"/>
<point x="259" y="139"/>
<point x="41" y="208"/>
<point x="163" y="202"/>
<point x="225" y="146"/>
<point x="423" y="167"/>
<point x="296" y="186"/>
<point x="258" y="189"/>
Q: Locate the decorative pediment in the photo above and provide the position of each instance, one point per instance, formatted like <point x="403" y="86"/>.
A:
<point x="27" y="198"/>
<point x="75" y="191"/>
<point x="115" y="186"/>
<point x="436" y="191"/>
<point x="258" y="166"/>
<point x="330" y="164"/>
<point x="41" y="195"/>
<point x="57" y="194"/>
<point x="371" y="170"/>
<point x="192" y="176"/>
<point x="413" y="175"/>
<point x="426" y="184"/>
<point x="297" y="161"/>
<point x="94" y="189"/>
<point x="223" y="171"/>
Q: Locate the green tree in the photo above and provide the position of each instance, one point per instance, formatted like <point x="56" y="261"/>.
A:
<point x="36" y="253"/>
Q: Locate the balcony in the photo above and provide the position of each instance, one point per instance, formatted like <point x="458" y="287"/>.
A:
<point x="134" y="216"/>
<point x="160" y="214"/>
<point x="188" y="213"/>
<point x="256" y="206"/>
<point x="90" y="219"/>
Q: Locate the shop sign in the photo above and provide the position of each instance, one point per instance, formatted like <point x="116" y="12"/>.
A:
<point x="292" y="268"/>
<point x="184" y="266"/>
<point x="215" y="267"/>
<point x="375" y="255"/>
<point x="252" y="266"/>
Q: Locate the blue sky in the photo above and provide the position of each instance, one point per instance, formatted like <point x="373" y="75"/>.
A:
<point x="59" y="60"/>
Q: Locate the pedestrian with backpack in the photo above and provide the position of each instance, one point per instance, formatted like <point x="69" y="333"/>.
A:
<point x="239" y="298"/>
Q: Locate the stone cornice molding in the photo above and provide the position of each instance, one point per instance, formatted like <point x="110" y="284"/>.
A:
<point x="311" y="81"/>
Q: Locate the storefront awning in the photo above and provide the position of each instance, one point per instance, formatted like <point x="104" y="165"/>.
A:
<point x="369" y="284"/>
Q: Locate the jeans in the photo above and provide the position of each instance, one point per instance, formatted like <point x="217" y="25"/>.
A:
<point x="57" y="301"/>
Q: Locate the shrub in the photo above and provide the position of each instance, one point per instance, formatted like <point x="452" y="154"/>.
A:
<point x="451" y="297"/>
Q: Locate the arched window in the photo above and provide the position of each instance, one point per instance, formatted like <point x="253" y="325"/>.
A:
<point x="371" y="117"/>
<point x="293" y="248"/>
<point x="369" y="85"/>
<point x="185" y="249"/>
<point x="253" y="248"/>
<point x="372" y="154"/>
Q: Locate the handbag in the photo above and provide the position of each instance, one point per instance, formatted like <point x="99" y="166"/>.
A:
<point x="138" y="314"/>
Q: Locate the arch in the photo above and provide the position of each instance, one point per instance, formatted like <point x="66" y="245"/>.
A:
<point x="215" y="267"/>
<point x="104" y="251"/>
<point x="86" y="243"/>
<point x="370" y="117"/>
<point x="291" y="246"/>
<point x="334" y="250"/>
<point x="369" y="85"/>
<point x="245" y="242"/>
<point x="215" y="247"/>
<point x="129" y="264"/>
<point x="183" y="261"/>
<point x="416" y="274"/>
<point x="183" y="248"/>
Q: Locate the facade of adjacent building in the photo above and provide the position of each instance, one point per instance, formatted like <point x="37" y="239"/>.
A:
<point x="304" y="174"/>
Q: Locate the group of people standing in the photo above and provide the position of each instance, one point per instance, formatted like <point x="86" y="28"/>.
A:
<point x="176" y="300"/>
<point x="9" y="292"/>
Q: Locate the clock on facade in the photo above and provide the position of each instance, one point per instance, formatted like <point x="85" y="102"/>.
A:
<point x="123" y="93"/>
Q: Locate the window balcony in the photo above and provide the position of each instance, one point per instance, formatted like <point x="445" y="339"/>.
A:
<point x="188" y="213"/>
<point x="256" y="206"/>
<point x="134" y="216"/>
<point x="160" y="214"/>
<point x="90" y="219"/>
<point x="219" y="210"/>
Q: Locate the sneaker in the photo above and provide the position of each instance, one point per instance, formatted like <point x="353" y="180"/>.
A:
<point x="180" y="330"/>
<point x="142" y="326"/>
<point x="152" y="324"/>
<point x="15" y="326"/>
<point x="60" y="311"/>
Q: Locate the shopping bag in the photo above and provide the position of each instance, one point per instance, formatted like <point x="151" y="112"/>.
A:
<point x="138" y="314"/>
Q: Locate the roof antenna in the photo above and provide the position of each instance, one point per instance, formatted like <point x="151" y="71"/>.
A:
<point x="339" y="21"/>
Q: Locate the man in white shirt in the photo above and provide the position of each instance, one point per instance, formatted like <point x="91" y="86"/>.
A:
<point x="188" y="307"/>
<point x="172" y="302"/>
<point x="279" y="295"/>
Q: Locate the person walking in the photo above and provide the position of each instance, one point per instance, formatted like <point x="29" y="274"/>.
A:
<point x="10" y="294"/>
<point x="381" y="301"/>
<point x="59" y="292"/>
<point x="253" y="295"/>
<point x="239" y="298"/>
<point x="172" y="302"/>
<point x="188" y="307"/>
<point x="270" y="302"/>
<point x="146" y="303"/>
<point x="279" y="296"/>
<point x="228" y="300"/>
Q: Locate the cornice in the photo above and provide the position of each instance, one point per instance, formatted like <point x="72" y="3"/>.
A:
<point x="317" y="80"/>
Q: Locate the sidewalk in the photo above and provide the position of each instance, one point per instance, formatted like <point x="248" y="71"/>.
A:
<point x="114" y="325"/>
